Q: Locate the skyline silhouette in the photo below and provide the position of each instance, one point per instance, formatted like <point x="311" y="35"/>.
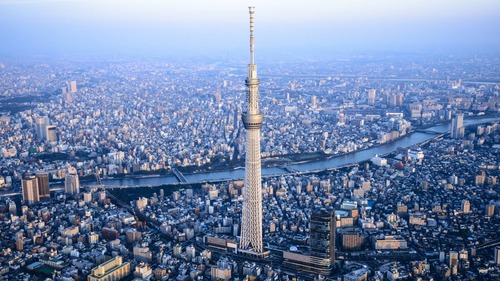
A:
<point x="153" y="27"/>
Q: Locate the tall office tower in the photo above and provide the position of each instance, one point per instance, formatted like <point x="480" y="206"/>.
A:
<point x="399" y="99"/>
<point x="322" y="239"/>
<point x="51" y="134"/>
<point x="457" y="127"/>
<point x="30" y="190"/>
<point x="251" y="227"/>
<point x="42" y="180"/>
<point x="19" y="241"/>
<point x="41" y="124"/>
<point x="71" y="86"/>
<point x="393" y="100"/>
<point x="371" y="96"/>
<point x="314" y="101"/>
<point x="490" y="210"/>
<point x="72" y="182"/>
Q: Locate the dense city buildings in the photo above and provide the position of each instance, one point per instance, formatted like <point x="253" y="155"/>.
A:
<point x="103" y="130"/>
<point x="412" y="211"/>
<point x="81" y="138"/>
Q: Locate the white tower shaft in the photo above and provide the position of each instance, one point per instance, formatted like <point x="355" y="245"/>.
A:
<point x="251" y="226"/>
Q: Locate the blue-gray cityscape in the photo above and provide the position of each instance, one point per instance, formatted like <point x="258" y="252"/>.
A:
<point x="381" y="166"/>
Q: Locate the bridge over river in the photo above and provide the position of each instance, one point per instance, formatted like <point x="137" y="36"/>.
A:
<point x="335" y="162"/>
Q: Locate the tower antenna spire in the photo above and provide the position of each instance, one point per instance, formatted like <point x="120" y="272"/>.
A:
<point x="252" y="44"/>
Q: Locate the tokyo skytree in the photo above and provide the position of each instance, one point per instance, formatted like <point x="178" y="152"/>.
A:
<point x="251" y="226"/>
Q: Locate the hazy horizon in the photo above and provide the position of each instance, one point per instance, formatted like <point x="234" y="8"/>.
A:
<point x="155" y="27"/>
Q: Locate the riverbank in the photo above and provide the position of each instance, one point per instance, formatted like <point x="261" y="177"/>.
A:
<point x="275" y="166"/>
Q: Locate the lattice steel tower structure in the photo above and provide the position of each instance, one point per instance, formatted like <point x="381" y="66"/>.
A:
<point x="251" y="226"/>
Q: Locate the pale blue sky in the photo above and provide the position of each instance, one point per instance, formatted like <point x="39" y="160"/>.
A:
<point x="220" y="26"/>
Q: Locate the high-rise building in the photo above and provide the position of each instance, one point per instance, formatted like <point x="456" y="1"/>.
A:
<point x="71" y="86"/>
<point x="457" y="127"/>
<point x="395" y="100"/>
<point x="399" y="99"/>
<point x="190" y="252"/>
<point x="314" y="101"/>
<point x="177" y="250"/>
<point x="322" y="239"/>
<point x="466" y="206"/>
<point x="371" y="96"/>
<point x="453" y="259"/>
<point x="30" y="190"/>
<point x="51" y="133"/>
<point x="42" y="180"/>
<point x="72" y="182"/>
<point x="19" y="241"/>
<point x="392" y="100"/>
<point x="41" y="124"/>
<point x="45" y="131"/>
<point x="251" y="227"/>
<point x="490" y="210"/>
<point x="497" y="255"/>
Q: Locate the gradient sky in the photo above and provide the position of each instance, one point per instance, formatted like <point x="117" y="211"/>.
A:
<point x="41" y="27"/>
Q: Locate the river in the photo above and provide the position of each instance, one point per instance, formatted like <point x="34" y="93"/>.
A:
<point x="335" y="162"/>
